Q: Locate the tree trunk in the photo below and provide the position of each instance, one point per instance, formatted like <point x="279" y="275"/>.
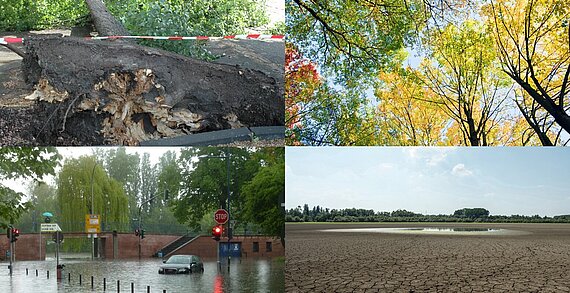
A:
<point x="142" y="93"/>
<point x="104" y="22"/>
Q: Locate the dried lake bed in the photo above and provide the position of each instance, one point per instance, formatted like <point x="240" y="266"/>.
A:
<point x="427" y="257"/>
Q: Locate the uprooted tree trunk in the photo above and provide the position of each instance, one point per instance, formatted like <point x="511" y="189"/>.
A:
<point x="145" y="93"/>
<point x="104" y="22"/>
<point x="138" y="93"/>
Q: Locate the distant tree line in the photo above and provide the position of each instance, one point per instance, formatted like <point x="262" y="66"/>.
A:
<point x="321" y="214"/>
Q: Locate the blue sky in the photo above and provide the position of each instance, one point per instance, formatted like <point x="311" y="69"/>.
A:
<point x="505" y="181"/>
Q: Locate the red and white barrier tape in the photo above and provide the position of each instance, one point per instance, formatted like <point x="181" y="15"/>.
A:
<point x="10" y="40"/>
<point x="178" y="38"/>
<point x="171" y="38"/>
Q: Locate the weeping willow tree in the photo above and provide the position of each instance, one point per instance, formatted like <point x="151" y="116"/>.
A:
<point x="76" y="196"/>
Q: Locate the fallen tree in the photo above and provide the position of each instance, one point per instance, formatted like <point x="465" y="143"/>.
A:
<point x="105" y="23"/>
<point x="146" y="93"/>
<point x="130" y="93"/>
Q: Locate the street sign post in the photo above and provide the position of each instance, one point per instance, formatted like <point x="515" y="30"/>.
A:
<point x="221" y="216"/>
<point x="49" y="227"/>
<point x="92" y="224"/>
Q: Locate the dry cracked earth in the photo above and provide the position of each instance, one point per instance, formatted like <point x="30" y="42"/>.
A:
<point x="376" y="262"/>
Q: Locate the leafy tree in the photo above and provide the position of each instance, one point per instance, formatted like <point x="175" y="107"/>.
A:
<point x="467" y="85"/>
<point x="204" y="181"/>
<point x="403" y="213"/>
<point x="169" y="174"/>
<point x="533" y="42"/>
<point x="145" y="17"/>
<point x="22" y="162"/>
<point x="352" y="39"/>
<point x="162" y="179"/>
<point x="43" y="199"/>
<point x="76" y="199"/>
<point x="472" y="213"/>
<point x="188" y="18"/>
<point x="264" y="195"/>
<point x="301" y="83"/>
<point x="148" y="184"/>
<point x="407" y="112"/>
<point x="23" y="15"/>
<point x="317" y="214"/>
<point x="124" y="168"/>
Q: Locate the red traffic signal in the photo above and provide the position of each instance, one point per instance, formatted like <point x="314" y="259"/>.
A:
<point x="15" y="234"/>
<point x="139" y="233"/>
<point x="217" y="232"/>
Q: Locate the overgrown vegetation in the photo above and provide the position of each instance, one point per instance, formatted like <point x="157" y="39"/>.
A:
<point x="144" y="17"/>
<point x="22" y="15"/>
<point x="320" y="214"/>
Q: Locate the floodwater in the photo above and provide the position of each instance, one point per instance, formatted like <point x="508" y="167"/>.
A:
<point x="434" y="231"/>
<point x="263" y="275"/>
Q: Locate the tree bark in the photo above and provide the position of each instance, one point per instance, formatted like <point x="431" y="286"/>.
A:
<point x="105" y="23"/>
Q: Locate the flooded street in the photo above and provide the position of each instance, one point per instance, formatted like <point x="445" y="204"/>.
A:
<point x="248" y="276"/>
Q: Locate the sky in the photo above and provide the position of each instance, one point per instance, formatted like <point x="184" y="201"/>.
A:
<point x="505" y="181"/>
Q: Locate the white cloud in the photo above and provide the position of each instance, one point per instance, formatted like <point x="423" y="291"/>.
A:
<point x="435" y="159"/>
<point x="461" y="171"/>
<point x="411" y="152"/>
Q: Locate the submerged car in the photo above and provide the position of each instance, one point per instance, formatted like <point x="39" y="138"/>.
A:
<point x="182" y="264"/>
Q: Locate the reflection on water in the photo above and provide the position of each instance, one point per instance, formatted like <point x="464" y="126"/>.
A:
<point x="452" y="229"/>
<point x="434" y="231"/>
<point x="247" y="276"/>
<point x="218" y="284"/>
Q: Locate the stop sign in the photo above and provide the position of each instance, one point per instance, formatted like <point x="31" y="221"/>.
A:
<point x="221" y="216"/>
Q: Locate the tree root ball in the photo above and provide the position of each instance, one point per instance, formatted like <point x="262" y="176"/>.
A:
<point x="139" y="93"/>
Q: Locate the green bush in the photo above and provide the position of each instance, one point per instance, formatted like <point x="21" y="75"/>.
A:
<point x="22" y="15"/>
<point x="188" y="18"/>
<point x="144" y="17"/>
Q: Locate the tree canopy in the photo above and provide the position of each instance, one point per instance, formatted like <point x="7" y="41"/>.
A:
<point x="83" y="187"/>
<point x="395" y="72"/>
<point x="322" y="214"/>
<point x="22" y="162"/>
<point x="204" y="185"/>
<point x="265" y="193"/>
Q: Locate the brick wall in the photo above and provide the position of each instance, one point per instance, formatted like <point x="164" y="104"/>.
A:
<point x="27" y="247"/>
<point x="128" y="245"/>
<point x="205" y="246"/>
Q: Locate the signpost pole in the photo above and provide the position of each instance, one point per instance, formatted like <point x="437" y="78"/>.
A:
<point x="11" y="249"/>
<point x="140" y="225"/>
<point x="57" y="249"/>
<point x="229" y="226"/>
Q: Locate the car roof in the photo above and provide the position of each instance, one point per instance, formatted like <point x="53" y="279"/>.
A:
<point x="184" y="255"/>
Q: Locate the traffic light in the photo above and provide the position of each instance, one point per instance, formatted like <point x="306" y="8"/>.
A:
<point x="15" y="234"/>
<point x="217" y="232"/>
<point x="139" y="233"/>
